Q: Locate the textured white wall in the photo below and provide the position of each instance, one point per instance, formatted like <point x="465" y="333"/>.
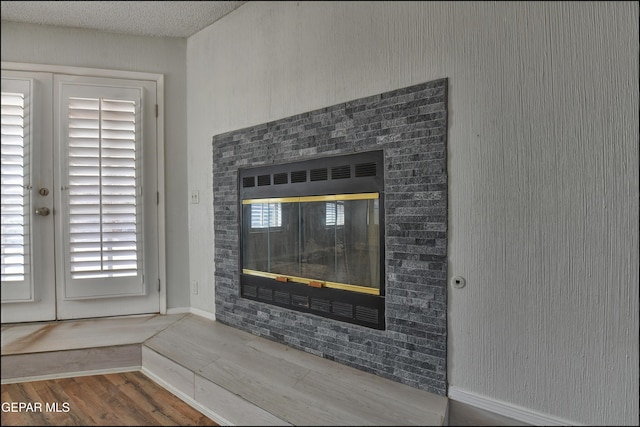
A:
<point x="543" y="164"/>
<point x="40" y="44"/>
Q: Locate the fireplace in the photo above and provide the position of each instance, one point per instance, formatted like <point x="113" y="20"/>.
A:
<point x="404" y="133"/>
<point x="311" y="236"/>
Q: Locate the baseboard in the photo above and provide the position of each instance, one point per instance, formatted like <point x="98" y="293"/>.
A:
<point x="192" y="310"/>
<point x="517" y="413"/>
<point x="202" y="313"/>
<point x="187" y="399"/>
<point x="71" y="374"/>
<point x="178" y="310"/>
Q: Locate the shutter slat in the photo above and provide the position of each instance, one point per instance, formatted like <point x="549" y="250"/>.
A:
<point x="107" y="246"/>
<point x="16" y="170"/>
<point x="86" y="133"/>
<point x="85" y="123"/>
<point x="11" y="193"/>
<point x="85" y="151"/>
<point x="14" y="107"/>
<point x="12" y="155"/>
<point x="121" y="144"/>
<point x="9" y="248"/>
<point x="118" y="171"/>
<point x="84" y="238"/>
<point x="83" y="209"/>
<point x="99" y="275"/>
<point x="12" y="229"/>
<point x="11" y="219"/>
<point x="115" y="153"/>
<point x="10" y="140"/>
<point x="84" y="104"/>
<point x="12" y="259"/>
<point x="95" y="257"/>
<point x="119" y="106"/>
<point x="12" y="277"/>
<point x="119" y="134"/>
<point x="12" y="209"/>
<point x="118" y="116"/>
<point x="13" y="199"/>
<point x="80" y="142"/>
<point x="96" y="266"/>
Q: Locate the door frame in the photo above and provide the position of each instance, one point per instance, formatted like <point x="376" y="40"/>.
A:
<point x="133" y="75"/>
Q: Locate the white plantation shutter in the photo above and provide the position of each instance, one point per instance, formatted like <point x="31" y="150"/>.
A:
<point x="102" y="188"/>
<point x="100" y="151"/>
<point x="15" y="182"/>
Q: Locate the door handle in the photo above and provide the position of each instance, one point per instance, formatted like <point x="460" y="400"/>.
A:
<point x="43" y="211"/>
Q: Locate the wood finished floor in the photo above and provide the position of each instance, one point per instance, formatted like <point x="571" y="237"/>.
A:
<point x="123" y="399"/>
<point x="132" y="399"/>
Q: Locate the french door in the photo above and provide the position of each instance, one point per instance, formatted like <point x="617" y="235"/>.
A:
<point x="79" y="197"/>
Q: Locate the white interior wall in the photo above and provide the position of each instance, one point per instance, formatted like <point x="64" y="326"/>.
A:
<point x="40" y="44"/>
<point x="543" y="170"/>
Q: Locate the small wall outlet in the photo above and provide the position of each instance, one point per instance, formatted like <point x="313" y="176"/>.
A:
<point x="194" y="287"/>
<point x="458" y="282"/>
<point x="195" y="197"/>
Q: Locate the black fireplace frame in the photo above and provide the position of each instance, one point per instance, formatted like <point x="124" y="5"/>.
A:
<point x="361" y="172"/>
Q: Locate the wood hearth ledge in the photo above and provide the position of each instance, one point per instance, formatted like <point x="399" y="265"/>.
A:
<point x="234" y="377"/>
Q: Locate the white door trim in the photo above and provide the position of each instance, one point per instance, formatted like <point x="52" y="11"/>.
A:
<point x="159" y="79"/>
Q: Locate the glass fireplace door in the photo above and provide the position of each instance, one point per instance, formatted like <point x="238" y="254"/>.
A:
<point x="328" y="241"/>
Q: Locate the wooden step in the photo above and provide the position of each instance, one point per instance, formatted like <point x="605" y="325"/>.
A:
<point x="40" y="350"/>
<point x="60" y="363"/>
<point x="267" y="383"/>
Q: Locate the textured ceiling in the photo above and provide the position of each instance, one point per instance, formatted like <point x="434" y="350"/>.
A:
<point x="147" y="18"/>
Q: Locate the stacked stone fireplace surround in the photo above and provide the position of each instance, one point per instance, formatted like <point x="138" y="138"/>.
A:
<point x="410" y="126"/>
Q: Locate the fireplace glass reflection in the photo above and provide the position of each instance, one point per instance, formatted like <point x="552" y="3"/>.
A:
<point x="328" y="241"/>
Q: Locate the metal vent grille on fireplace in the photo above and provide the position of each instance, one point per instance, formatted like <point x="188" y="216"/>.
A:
<point x="366" y="169"/>
<point x="366" y="314"/>
<point x="353" y="312"/>
<point x="341" y="172"/>
<point x="299" y="176"/>
<point x="278" y="175"/>
<point x="280" y="178"/>
<point x="319" y="174"/>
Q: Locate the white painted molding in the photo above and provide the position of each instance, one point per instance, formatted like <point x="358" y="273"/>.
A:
<point x="71" y="374"/>
<point x="162" y="217"/>
<point x="506" y="409"/>
<point x="196" y="311"/>
<point x="203" y="313"/>
<point x="178" y="310"/>
<point x="187" y="399"/>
